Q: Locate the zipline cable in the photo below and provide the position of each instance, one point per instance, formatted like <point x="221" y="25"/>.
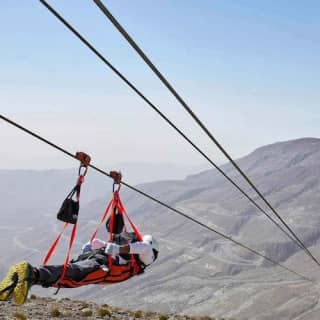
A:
<point x="134" y="45"/>
<point x="37" y="136"/>
<point x="297" y="241"/>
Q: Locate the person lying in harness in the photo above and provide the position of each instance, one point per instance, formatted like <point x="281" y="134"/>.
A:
<point x="99" y="263"/>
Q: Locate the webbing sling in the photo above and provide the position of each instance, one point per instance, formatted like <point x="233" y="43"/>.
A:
<point x="116" y="203"/>
<point x="134" y="228"/>
<point x="52" y="248"/>
<point x="103" y="218"/>
<point x="113" y="203"/>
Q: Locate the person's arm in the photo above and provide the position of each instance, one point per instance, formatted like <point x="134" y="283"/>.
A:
<point x="140" y="248"/>
<point x="113" y="249"/>
<point x="135" y="248"/>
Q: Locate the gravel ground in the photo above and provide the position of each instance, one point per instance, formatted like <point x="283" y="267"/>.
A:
<point x="48" y="308"/>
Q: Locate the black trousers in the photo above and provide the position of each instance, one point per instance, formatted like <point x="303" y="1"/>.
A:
<point x="76" y="270"/>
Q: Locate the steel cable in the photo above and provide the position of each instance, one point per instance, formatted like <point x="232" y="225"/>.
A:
<point x="195" y="117"/>
<point x="37" y="136"/>
<point x="97" y="53"/>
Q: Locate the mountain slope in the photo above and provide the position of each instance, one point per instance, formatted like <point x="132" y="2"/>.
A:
<point x="198" y="272"/>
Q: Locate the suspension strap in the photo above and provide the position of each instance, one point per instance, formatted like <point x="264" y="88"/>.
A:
<point x="79" y="183"/>
<point x="69" y="213"/>
<point x="66" y="260"/>
<point x="116" y="176"/>
<point x="109" y="208"/>
<point x="133" y="263"/>
<point x="116" y="204"/>
<point x="103" y="218"/>
<point x="76" y="190"/>
<point x="111" y="226"/>
<point x="134" y="228"/>
<point x="53" y="246"/>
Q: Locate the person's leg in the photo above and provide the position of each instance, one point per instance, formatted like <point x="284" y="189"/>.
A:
<point x="26" y="278"/>
<point x="8" y="283"/>
<point x="17" y="282"/>
<point x="49" y="275"/>
<point x="22" y="276"/>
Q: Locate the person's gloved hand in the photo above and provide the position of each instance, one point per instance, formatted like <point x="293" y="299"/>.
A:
<point x="112" y="249"/>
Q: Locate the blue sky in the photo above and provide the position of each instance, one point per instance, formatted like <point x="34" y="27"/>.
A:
<point x="249" y="69"/>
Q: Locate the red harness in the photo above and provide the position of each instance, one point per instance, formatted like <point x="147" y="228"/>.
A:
<point x="116" y="273"/>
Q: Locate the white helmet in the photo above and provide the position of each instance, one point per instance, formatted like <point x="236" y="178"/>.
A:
<point x="152" y="241"/>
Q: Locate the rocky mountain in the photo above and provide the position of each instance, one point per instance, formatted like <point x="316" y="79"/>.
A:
<point x="197" y="272"/>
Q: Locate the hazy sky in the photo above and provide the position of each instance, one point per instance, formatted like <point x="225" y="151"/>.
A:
<point x="249" y="69"/>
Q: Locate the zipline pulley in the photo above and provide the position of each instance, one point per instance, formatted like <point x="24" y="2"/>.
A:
<point x="117" y="177"/>
<point x="84" y="162"/>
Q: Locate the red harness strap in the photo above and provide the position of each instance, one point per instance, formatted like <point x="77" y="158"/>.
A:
<point x="134" y="228"/>
<point x="109" y="208"/>
<point x="133" y="263"/>
<point x="72" y="236"/>
<point x="66" y="260"/>
<point x="117" y="273"/>
<point x="115" y="203"/>
<point x="53" y="246"/>
<point x="103" y="218"/>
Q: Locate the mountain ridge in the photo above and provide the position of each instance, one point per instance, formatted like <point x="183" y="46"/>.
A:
<point x="212" y="271"/>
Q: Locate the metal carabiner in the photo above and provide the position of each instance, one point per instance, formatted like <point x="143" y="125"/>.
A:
<point x="113" y="187"/>
<point x="116" y="176"/>
<point x="84" y="172"/>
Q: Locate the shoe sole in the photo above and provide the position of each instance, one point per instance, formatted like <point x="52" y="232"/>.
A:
<point x="20" y="292"/>
<point x="8" y="283"/>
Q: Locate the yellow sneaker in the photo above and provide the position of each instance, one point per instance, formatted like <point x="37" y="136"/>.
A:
<point x="8" y="283"/>
<point x="25" y="280"/>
